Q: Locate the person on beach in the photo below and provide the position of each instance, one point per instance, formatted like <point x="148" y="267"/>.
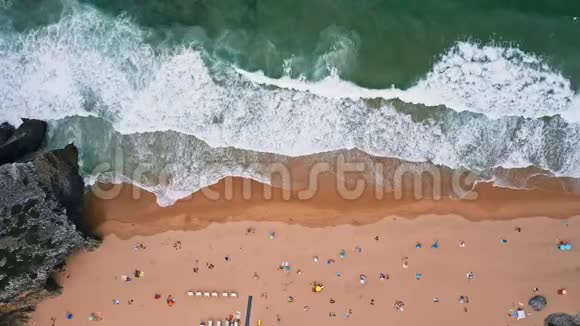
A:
<point x="95" y="316"/>
<point x="140" y="246"/>
<point x="170" y="300"/>
<point x="399" y="305"/>
<point x="435" y="244"/>
<point x="347" y="314"/>
<point x="470" y="276"/>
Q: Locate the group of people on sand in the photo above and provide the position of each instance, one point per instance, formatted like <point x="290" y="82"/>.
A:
<point x="398" y="304"/>
<point x="317" y="287"/>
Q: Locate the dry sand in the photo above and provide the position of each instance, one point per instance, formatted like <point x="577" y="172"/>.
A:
<point x="505" y="274"/>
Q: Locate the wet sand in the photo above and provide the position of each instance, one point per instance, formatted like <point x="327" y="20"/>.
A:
<point x="209" y="230"/>
<point x="133" y="211"/>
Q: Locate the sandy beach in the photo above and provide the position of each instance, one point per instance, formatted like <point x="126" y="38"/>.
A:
<point x="125" y="210"/>
<point x="510" y="248"/>
<point x="289" y="162"/>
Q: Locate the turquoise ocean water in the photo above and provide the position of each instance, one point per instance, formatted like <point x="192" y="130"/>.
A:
<point x="202" y="88"/>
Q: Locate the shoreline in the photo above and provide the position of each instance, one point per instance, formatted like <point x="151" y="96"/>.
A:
<point x="326" y="208"/>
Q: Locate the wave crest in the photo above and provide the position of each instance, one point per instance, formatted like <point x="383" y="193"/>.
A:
<point x="91" y="64"/>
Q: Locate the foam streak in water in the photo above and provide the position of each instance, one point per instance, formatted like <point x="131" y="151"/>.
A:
<point x="89" y="64"/>
<point x="492" y="80"/>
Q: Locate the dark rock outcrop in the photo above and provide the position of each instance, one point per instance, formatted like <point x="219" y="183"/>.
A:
<point x="538" y="302"/>
<point x="26" y="139"/>
<point x="40" y="225"/>
<point x="561" y="319"/>
<point x="6" y="131"/>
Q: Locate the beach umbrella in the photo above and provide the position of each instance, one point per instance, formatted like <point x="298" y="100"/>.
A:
<point x="561" y="319"/>
<point x="538" y="302"/>
<point x="317" y="287"/>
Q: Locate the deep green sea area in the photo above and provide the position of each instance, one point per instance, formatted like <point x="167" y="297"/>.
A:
<point x="203" y="88"/>
<point x="375" y="43"/>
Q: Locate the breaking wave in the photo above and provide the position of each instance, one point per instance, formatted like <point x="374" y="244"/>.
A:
<point x="495" y="99"/>
<point x="492" y="80"/>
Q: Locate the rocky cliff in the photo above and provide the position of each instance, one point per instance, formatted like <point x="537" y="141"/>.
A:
<point x="40" y="218"/>
<point x="20" y="143"/>
<point x="562" y="319"/>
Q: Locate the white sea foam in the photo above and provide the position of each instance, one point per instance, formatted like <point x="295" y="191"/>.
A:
<point x="573" y="114"/>
<point x="89" y="64"/>
<point x="492" y="80"/>
<point x="168" y="194"/>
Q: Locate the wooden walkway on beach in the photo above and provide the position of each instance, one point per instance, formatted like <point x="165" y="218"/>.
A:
<point x="249" y="310"/>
